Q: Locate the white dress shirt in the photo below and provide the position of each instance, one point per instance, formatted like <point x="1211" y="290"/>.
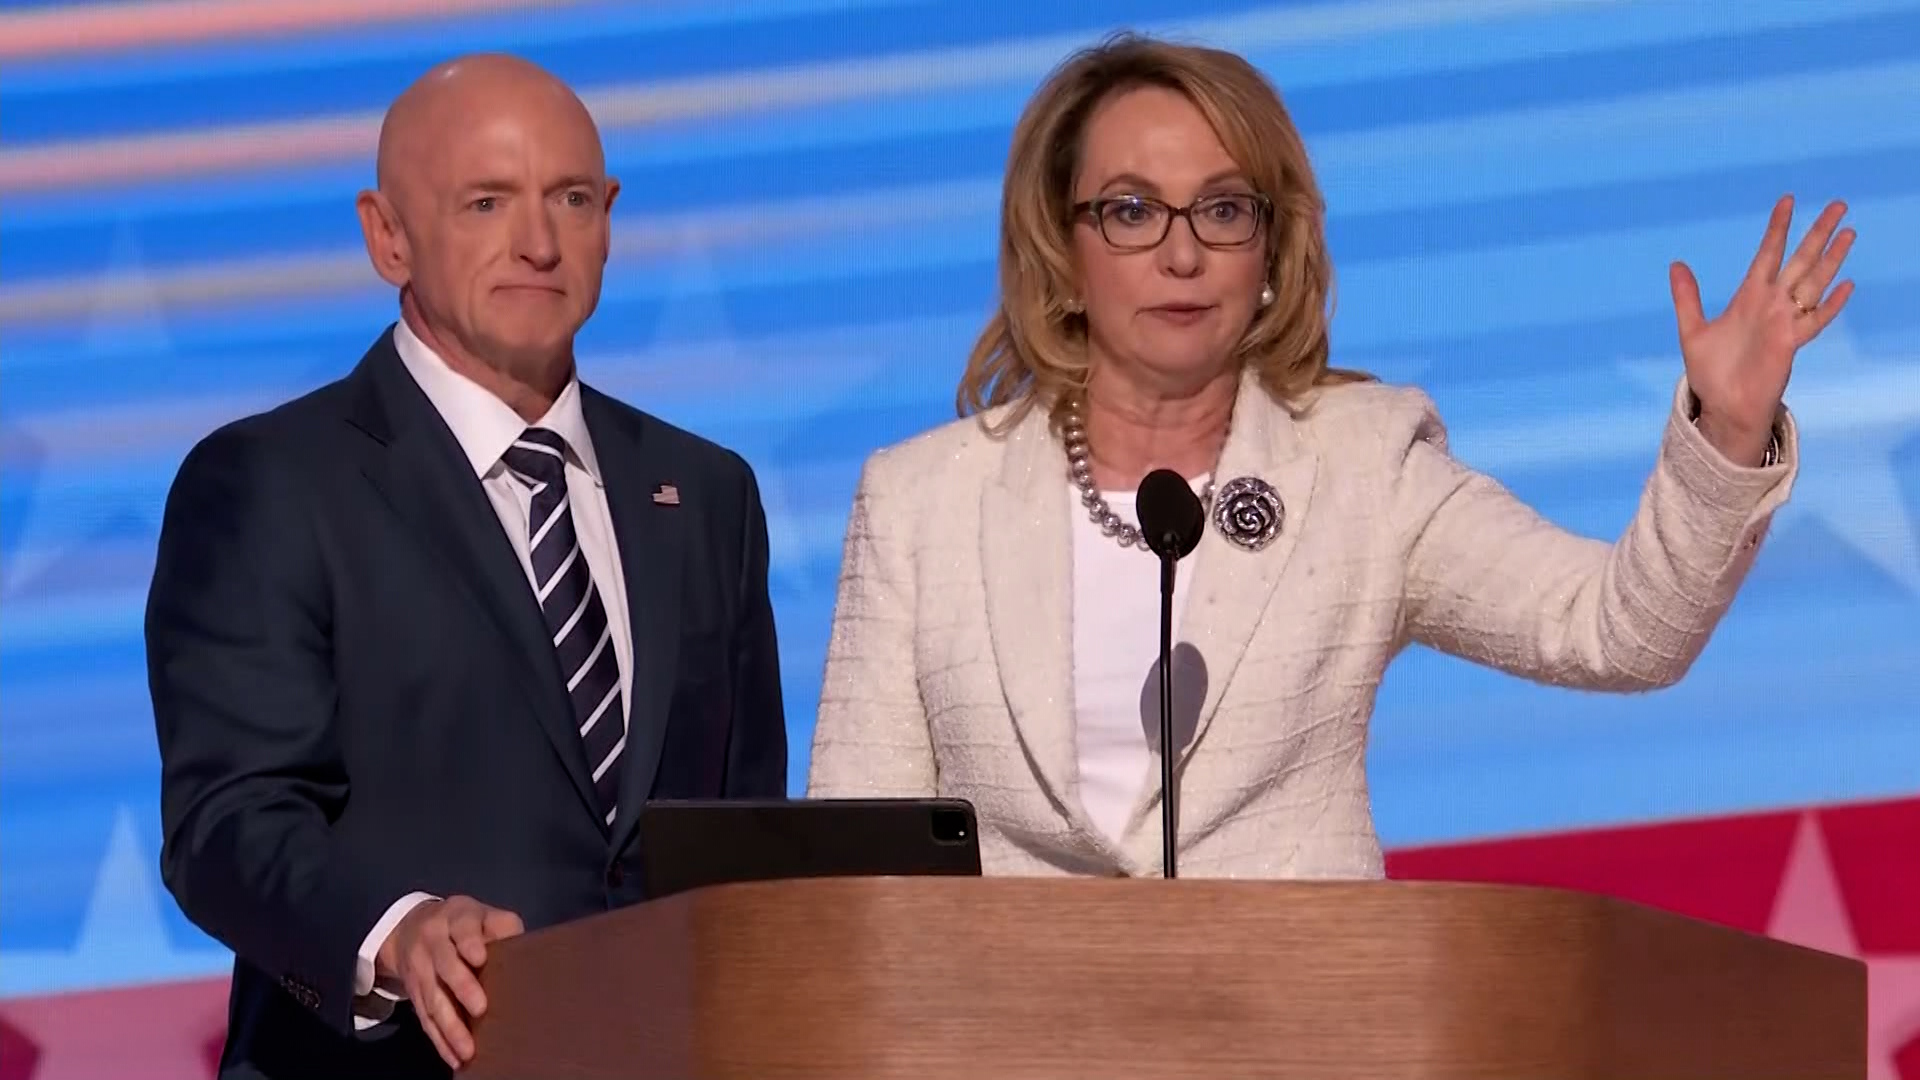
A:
<point x="486" y="427"/>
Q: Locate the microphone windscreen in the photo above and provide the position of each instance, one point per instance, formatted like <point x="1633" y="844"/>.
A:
<point x="1171" y="518"/>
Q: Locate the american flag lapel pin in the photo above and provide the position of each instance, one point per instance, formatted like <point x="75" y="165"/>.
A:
<point x="668" y="495"/>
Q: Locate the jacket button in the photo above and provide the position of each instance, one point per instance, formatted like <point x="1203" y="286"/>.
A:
<point x="615" y="876"/>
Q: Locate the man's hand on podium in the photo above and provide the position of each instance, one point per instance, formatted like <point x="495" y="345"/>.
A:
<point x="431" y="957"/>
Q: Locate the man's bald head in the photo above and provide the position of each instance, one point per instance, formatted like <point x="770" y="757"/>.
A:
<point x="452" y="98"/>
<point x="491" y="216"/>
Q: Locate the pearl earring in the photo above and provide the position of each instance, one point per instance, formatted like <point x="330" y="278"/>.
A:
<point x="1266" y="295"/>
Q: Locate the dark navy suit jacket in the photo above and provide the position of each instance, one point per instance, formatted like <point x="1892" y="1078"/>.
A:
<point x="356" y="697"/>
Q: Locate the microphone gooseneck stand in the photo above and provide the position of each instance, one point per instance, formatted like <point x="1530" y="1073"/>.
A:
<point x="1171" y="521"/>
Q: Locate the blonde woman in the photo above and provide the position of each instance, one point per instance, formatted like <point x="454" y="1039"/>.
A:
<point x="1164" y="303"/>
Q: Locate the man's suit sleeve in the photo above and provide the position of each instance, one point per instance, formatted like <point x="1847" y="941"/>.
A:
<point x="757" y="754"/>
<point x="238" y="664"/>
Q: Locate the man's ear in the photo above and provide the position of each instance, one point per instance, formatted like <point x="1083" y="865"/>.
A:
<point x="613" y="192"/>
<point x="386" y="240"/>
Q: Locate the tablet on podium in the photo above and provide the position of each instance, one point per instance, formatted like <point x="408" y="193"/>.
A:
<point x="694" y="844"/>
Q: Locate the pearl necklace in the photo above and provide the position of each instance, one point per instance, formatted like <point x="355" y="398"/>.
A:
<point x="1073" y="428"/>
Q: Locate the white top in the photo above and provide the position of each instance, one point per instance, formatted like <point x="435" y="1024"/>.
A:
<point x="1116" y="656"/>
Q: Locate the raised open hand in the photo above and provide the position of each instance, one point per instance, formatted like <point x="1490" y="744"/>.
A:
<point x="1738" y="363"/>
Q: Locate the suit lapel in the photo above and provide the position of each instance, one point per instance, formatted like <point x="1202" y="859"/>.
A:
<point x="652" y="542"/>
<point x="1027" y="556"/>
<point x="1231" y="587"/>
<point x="423" y="475"/>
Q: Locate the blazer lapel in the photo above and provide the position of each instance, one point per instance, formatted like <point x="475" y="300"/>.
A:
<point x="652" y="542"/>
<point x="429" y="483"/>
<point x="1231" y="586"/>
<point x="1027" y="556"/>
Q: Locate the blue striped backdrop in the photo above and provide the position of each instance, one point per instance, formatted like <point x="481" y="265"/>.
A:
<point x="805" y="252"/>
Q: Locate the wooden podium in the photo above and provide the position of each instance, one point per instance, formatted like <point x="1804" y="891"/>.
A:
<point x="1007" y="979"/>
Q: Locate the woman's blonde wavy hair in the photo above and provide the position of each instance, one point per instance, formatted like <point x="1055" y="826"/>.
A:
<point x="1033" y="350"/>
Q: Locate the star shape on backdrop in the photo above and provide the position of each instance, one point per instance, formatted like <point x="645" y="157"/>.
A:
<point x="695" y="345"/>
<point x="127" y="318"/>
<point x="1811" y="910"/>
<point x="167" y="1032"/>
<point x="19" y="1054"/>
<point x="127" y="312"/>
<point x="23" y="456"/>
<point x="693" y="369"/>
<point x="1854" y="411"/>
<point x="123" y="935"/>
<point x="159" y="1032"/>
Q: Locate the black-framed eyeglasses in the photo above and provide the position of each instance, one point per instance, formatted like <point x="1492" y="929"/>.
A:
<point x="1138" y="222"/>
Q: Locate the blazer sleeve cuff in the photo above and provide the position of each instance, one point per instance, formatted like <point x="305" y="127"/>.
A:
<point x="321" y="968"/>
<point x="1729" y="504"/>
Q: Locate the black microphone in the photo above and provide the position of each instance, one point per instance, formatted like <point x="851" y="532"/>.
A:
<point x="1171" y="520"/>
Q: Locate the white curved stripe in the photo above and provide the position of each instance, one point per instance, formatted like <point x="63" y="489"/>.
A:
<point x="1396" y="304"/>
<point x="1763" y="121"/>
<point x="1294" y="64"/>
<point x="85" y="453"/>
<point x="149" y="24"/>
<point x="691" y="373"/>
<point x="600" y="709"/>
<point x="586" y="665"/>
<point x="1866" y="401"/>
<point x="225" y="283"/>
<point x="573" y="620"/>
<point x="1878" y="398"/>
<point x="1780" y="120"/>
<point x="612" y="756"/>
<point x="452" y="31"/>
<point x="538" y="448"/>
<point x="354" y="135"/>
<point x="566" y="501"/>
<point x="573" y="554"/>
<point x="1400" y="302"/>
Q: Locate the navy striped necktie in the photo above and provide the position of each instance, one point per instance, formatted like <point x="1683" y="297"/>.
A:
<point x="575" y="616"/>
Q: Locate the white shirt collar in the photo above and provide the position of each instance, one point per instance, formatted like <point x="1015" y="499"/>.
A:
<point x="484" y="425"/>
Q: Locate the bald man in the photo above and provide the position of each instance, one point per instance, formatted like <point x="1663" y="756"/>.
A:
<point x="422" y="642"/>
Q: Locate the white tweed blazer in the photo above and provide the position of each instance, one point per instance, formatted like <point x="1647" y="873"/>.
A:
<point x="949" y="670"/>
